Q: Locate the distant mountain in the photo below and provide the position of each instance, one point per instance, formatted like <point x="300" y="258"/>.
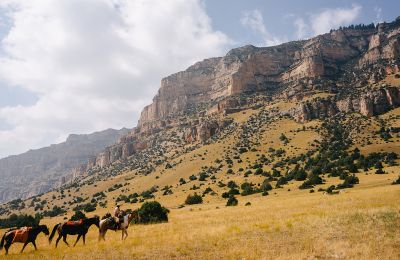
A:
<point x="37" y="171"/>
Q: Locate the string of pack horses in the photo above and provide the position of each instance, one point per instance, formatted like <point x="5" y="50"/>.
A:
<point x="77" y="228"/>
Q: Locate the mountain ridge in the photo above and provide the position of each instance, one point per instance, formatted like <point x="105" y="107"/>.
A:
<point x="327" y="63"/>
<point x="37" y="171"/>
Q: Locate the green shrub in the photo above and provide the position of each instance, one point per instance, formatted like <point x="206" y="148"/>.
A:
<point x="193" y="199"/>
<point x="78" y="215"/>
<point x="300" y="175"/>
<point x="248" y="189"/>
<point x="349" y="182"/>
<point x="18" y="221"/>
<point x="233" y="191"/>
<point x="232" y="185"/>
<point x="232" y="201"/>
<point x="56" y="211"/>
<point x="88" y="207"/>
<point x="281" y="181"/>
<point x="266" y="186"/>
<point x="152" y="212"/>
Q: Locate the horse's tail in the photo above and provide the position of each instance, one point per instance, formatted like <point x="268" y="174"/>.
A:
<point x="2" y="241"/>
<point x="53" y="232"/>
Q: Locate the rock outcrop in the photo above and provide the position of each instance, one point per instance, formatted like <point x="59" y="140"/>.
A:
<point x="369" y="103"/>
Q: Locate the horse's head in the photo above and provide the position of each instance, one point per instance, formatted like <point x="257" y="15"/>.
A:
<point x="92" y="221"/>
<point x="44" y="229"/>
<point x="96" y="221"/>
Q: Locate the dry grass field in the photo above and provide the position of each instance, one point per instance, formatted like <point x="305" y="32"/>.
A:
<point x="360" y="223"/>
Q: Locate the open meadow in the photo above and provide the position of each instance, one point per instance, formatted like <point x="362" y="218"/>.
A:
<point x="360" y="223"/>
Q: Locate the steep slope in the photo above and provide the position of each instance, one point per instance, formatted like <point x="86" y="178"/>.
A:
<point x="348" y="65"/>
<point x="37" y="171"/>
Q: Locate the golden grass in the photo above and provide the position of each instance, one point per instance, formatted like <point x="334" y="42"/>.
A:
<point x="360" y="223"/>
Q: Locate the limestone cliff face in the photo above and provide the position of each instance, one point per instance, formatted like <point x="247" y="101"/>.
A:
<point x="295" y="67"/>
<point x="369" y="103"/>
<point x="250" y="68"/>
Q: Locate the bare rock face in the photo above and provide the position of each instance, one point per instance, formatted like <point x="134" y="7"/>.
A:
<point x="249" y="69"/>
<point x="370" y="103"/>
<point x="206" y="130"/>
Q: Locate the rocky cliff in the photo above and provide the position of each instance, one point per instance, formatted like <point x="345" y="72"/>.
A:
<point x="37" y="171"/>
<point x="253" y="69"/>
<point x="368" y="103"/>
<point x="344" y="63"/>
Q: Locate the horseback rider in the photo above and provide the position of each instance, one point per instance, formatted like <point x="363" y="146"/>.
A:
<point x="119" y="214"/>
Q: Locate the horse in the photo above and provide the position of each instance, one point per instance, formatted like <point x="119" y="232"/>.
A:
<point x="109" y="223"/>
<point x="79" y="228"/>
<point x="33" y="232"/>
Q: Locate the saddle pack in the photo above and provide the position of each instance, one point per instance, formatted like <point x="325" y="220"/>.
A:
<point x="74" y="223"/>
<point x="21" y="235"/>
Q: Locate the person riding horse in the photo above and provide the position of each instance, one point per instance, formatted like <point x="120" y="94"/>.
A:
<point x="119" y="214"/>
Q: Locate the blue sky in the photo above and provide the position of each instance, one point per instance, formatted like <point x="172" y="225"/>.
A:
<point x="78" y="66"/>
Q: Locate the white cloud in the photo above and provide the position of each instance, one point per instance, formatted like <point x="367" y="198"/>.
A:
<point x="255" y="22"/>
<point x="333" y="18"/>
<point x="301" y="28"/>
<point x="322" y="22"/>
<point x="94" y="63"/>
<point x="378" y="15"/>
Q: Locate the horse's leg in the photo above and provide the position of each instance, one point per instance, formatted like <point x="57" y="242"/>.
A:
<point x="7" y="246"/>
<point x="84" y="238"/>
<point x="58" y="239"/>
<point x="122" y="232"/>
<point x="126" y="232"/>
<point x="104" y="235"/>
<point x="34" y="244"/>
<point x="65" y="239"/>
<point x="77" y="239"/>
<point x="24" y="247"/>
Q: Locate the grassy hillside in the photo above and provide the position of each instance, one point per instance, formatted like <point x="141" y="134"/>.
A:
<point x="260" y="146"/>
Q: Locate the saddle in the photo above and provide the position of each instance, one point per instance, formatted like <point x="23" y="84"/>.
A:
<point x="21" y="235"/>
<point x="74" y="223"/>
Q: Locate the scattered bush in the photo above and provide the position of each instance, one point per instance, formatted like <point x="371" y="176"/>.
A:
<point x="18" y="221"/>
<point x="193" y="199"/>
<point x="78" y="215"/>
<point x="248" y="189"/>
<point x="266" y="186"/>
<point x="232" y="201"/>
<point x="88" y="207"/>
<point x="349" y="182"/>
<point x="56" y="211"/>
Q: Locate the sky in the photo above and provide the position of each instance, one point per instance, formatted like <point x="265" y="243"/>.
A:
<point x="79" y="66"/>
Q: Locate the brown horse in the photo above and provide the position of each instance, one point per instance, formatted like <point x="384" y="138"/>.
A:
<point x="109" y="223"/>
<point x="28" y="235"/>
<point x="79" y="228"/>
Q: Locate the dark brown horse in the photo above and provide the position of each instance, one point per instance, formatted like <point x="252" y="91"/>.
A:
<point x="79" y="228"/>
<point x="31" y="236"/>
